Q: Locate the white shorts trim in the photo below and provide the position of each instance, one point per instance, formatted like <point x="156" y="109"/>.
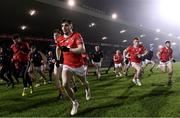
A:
<point x="85" y="67"/>
<point x="77" y="71"/>
<point x="57" y="70"/>
<point x="146" y="61"/>
<point x="164" y="63"/>
<point x="118" y="65"/>
<point x="133" y="64"/>
<point x="96" y="63"/>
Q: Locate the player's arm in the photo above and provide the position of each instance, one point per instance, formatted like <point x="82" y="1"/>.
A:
<point x="145" y="52"/>
<point x="80" y="49"/>
<point x="58" y="52"/>
<point x="114" y="58"/>
<point x="171" y="57"/>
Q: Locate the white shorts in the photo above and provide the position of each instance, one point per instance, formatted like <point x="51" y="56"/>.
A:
<point x="57" y="70"/>
<point x="85" y="67"/>
<point x="98" y="64"/>
<point x="133" y="64"/>
<point x="146" y="62"/>
<point x="77" y="71"/>
<point x="118" y="65"/>
<point x="165" y="63"/>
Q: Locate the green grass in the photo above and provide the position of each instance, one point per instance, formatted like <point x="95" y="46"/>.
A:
<point x="111" y="97"/>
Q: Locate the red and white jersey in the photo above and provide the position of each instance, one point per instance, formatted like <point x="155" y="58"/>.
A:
<point x="20" y="52"/>
<point x="165" y="54"/>
<point x="134" y="51"/>
<point x="118" y="58"/>
<point x="85" y="59"/>
<point x="71" y="59"/>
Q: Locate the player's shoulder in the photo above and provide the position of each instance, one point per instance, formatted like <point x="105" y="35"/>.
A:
<point x="60" y="37"/>
<point x="129" y="47"/>
<point x="77" y="35"/>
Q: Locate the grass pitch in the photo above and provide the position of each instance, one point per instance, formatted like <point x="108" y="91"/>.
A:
<point x="111" y="97"/>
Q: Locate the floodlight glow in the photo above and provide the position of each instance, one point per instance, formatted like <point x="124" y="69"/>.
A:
<point x="170" y="34"/>
<point x="32" y="12"/>
<point x="160" y="46"/>
<point x="140" y="42"/>
<point x="156" y="39"/>
<point x="178" y="37"/>
<point x="92" y="25"/>
<point x="142" y="35"/>
<point x="23" y="27"/>
<point x="169" y="10"/>
<point x="158" y="30"/>
<point x="124" y="41"/>
<point x="122" y="31"/>
<point x="173" y="44"/>
<point x="114" y="16"/>
<point x="104" y="38"/>
<point x="140" y="25"/>
<point x="71" y="3"/>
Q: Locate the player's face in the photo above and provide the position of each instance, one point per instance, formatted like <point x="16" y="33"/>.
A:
<point x="136" y="42"/>
<point x="117" y="52"/>
<point x="15" y="41"/>
<point x="168" y="44"/>
<point x="97" y="48"/>
<point x="66" y="28"/>
<point x="19" y="40"/>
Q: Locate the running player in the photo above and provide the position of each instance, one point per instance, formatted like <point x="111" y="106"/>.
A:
<point x="20" y="51"/>
<point x="36" y="63"/>
<point x="51" y="62"/>
<point x="97" y="58"/>
<point x="5" y="68"/>
<point x="148" y="59"/>
<point x="57" y="72"/>
<point x="72" y="46"/>
<point x="127" y="64"/>
<point x="136" y="52"/>
<point x="118" y="63"/>
<point x="165" y="55"/>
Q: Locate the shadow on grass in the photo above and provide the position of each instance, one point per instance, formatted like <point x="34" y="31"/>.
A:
<point x="157" y="97"/>
<point x="117" y="102"/>
<point x="155" y="100"/>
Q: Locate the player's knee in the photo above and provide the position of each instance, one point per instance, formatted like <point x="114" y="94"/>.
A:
<point x="170" y="72"/>
<point x="65" y="85"/>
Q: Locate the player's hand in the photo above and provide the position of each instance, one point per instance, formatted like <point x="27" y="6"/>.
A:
<point x="57" y="63"/>
<point x="174" y="61"/>
<point x="65" y="49"/>
<point x="139" y="55"/>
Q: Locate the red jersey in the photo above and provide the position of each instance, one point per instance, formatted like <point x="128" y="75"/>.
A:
<point x="117" y="58"/>
<point x="20" y="52"/>
<point x="71" y="59"/>
<point x="165" y="54"/>
<point x="133" y="52"/>
<point x="85" y="59"/>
